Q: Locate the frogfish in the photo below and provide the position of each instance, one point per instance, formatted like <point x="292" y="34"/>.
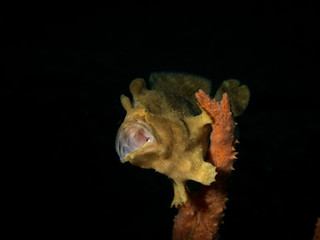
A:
<point x="165" y="129"/>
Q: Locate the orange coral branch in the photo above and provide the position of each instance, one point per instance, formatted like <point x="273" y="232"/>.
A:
<point x="201" y="216"/>
<point x="317" y="231"/>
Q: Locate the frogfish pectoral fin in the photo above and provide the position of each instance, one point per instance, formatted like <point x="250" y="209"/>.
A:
<point x="180" y="194"/>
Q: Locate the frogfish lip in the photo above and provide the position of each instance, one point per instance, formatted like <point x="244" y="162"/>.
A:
<point x="132" y="136"/>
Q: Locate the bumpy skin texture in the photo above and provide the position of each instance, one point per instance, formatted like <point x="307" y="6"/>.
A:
<point x="171" y="138"/>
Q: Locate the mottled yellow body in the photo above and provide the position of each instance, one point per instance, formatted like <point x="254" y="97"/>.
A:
<point x="166" y="130"/>
<point x="180" y="139"/>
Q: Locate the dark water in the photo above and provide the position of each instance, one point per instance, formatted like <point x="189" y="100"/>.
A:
<point x="64" y="71"/>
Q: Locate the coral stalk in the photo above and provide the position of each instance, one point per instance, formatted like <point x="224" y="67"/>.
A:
<point x="201" y="216"/>
<point x="317" y="231"/>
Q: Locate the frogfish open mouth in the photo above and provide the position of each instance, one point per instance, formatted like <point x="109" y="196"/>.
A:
<point x="131" y="137"/>
<point x="166" y="130"/>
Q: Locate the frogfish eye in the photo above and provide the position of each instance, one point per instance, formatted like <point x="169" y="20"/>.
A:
<point x="132" y="137"/>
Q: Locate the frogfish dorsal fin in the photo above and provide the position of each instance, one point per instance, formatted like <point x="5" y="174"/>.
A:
<point x="181" y="84"/>
<point x="239" y="95"/>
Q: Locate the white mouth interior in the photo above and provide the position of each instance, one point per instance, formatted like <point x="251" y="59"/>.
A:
<point x="131" y="138"/>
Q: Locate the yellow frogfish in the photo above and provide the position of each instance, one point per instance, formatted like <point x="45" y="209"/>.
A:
<point x="165" y="129"/>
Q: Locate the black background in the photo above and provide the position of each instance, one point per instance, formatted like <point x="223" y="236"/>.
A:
<point x="64" y="69"/>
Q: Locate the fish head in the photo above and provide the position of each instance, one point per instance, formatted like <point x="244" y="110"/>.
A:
<point x="161" y="132"/>
<point x="138" y="140"/>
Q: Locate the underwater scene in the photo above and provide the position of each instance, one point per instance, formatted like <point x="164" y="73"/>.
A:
<point x="158" y="123"/>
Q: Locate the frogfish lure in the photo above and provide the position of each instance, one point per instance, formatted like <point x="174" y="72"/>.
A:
<point x="166" y="130"/>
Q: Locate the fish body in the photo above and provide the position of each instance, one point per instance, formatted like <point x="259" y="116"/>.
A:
<point x="164" y="129"/>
